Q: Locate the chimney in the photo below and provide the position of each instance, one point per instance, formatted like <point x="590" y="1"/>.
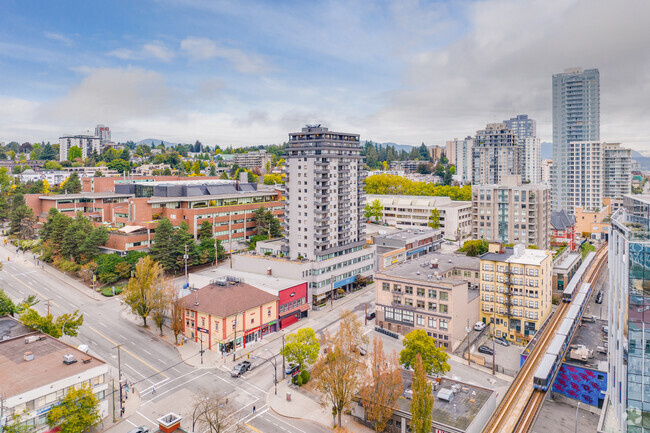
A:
<point x="28" y="356"/>
<point x="169" y="423"/>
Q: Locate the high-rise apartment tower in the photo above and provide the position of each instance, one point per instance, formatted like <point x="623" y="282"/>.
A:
<point x="496" y="153"/>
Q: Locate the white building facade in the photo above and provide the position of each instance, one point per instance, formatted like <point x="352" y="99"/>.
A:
<point x="87" y="143"/>
<point x="459" y="153"/>
<point x="584" y="175"/>
<point x="532" y="159"/>
<point x="617" y="171"/>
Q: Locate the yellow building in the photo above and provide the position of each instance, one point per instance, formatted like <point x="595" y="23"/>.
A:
<point x="516" y="290"/>
<point x="221" y="316"/>
<point x="592" y="224"/>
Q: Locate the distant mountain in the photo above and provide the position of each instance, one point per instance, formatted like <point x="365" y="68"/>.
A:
<point x="156" y="142"/>
<point x="643" y="160"/>
<point x="547" y="150"/>
<point x="398" y="147"/>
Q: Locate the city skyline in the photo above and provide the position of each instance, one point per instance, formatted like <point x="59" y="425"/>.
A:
<point x="404" y="73"/>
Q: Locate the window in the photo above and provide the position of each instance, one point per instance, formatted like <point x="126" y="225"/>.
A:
<point x="420" y="304"/>
<point x="268" y="313"/>
<point x="433" y="306"/>
<point x="432" y="294"/>
<point x="432" y="322"/>
<point x="234" y="323"/>
<point x="408" y="290"/>
<point x="443" y="324"/>
<point x="421" y="292"/>
<point x="444" y="296"/>
<point x="420" y="320"/>
<point x="385" y="287"/>
<point x="444" y="308"/>
<point x="397" y="300"/>
<point x="408" y="302"/>
<point x="397" y="288"/>
<point x="216" y="326"/>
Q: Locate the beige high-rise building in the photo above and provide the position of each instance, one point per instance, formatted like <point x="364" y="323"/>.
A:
<point x="512" y="213"/>
<point x="547" y="167"/>
<point x="496" y="153"/>
<point x="515" y="291"/>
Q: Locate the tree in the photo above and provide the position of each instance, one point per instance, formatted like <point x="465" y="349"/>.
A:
<point x="383" y="386"/>
<point x="53" y="165"/>
<point x="160" y="302"/>
<point x="422" y="403"/>
<point x="163" y="250"/>
<point x="140" y="292"/>
<point x="176" y="314"/>
<point x="73" y="153"/>
<point x="434" y="219"/>
<point x="338" y="373"/>
<point x="214" y="414"/>
<point x="72" y="185"/>
<point x="119" y="164"/>
<point x="213" y="170"/>
<point x="302" y="347"/>
<point x="375" y="209"/>
<point x="224" y="176"/>
<point x="77" y="412"/>
<point x="65" y="324"/>
<point x="8" y="307"/>
<point x="475" y="248"/>
<point x="267" y="223"/>
<point x="48" y="153"/>
<point x="417" y="342"/>
<point x="21" y="218"/>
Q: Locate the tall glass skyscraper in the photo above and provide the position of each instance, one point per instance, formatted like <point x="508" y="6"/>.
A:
<point x="629" y="315"/>
<point x="576" y="118"/>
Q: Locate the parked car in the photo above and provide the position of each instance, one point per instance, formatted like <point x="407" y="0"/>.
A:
<point x="370" y="316"/>
<point x="361" y="350"/>
<point x="292" y="370"/>
<point x="240" y="369"/>
<point x="141" y="429"/>
<point x="408" y="394"/>
<point x="486" y="350"/>
<point x="599" y="297"/>
<point x="502" y="341"/>
<point x="479" y="326"/>
<point x="605" y="329"/>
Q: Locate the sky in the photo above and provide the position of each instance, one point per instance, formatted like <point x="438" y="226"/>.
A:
<point x="249" y="73"/>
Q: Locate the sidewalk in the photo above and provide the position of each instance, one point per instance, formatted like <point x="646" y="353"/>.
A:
<point x="303" y="407"/>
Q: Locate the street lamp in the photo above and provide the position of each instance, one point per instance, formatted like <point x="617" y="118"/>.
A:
<point x="275" y="370"/>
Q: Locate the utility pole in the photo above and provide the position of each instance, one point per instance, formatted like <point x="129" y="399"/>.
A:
<point x="216" y="256"/>
<point x="187" y="281"/>
<point x="201" y="347"/>
<point x="230" y="239"/>
<point x="119" y="376"/>
<point x="113" y="398"/>
<point x="332" y="292"/>
<point x="283" y="367"/>
<point x="469" y="331"/>
<point x="48" y="305"/>
<point x="234" y="341"/>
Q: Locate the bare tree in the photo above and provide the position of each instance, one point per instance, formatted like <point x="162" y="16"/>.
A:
<point x="176" y="314"/>
<point x="339" y="373"/>
<point x="383" y="386"/>
<point x="161" y="296"/>
<point x="213" y="414"/>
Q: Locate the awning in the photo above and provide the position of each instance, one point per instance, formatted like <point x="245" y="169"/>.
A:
<point x="303" y="307"/>
<point x="131" y="229"/>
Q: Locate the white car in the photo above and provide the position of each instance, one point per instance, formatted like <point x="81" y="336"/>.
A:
<point x="479" y="326"/>
<point x="83" y="347"/>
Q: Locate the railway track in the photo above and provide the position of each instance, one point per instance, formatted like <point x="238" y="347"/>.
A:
<point x="520" y="406"/>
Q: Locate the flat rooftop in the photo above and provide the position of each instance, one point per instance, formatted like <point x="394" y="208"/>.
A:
<point x="420" y="268"/>
<point x="406" y="235"/>
<point x="528" y="257"/>
<point x="270" y="284"/>
<point x="18" y="376"/>
<point x="462" y="408"/>
<point x="566" y="263"/>
<point x="11" y="328"/>
<point x="590" y="335"/>
<point x="91" y="195"/>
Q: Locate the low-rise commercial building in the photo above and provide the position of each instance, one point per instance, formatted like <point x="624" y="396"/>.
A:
<point x="592" y="224"/>
<point x="36" y="371"/>
<point x="228" y="315"/>
<point x="414" y="211"/>
<point x="405" y="245"/>
<point x="435" y="292"/>
<point x="564" y="268"/>
<point x="516" y="291"/>
<point x="512" y="212"/>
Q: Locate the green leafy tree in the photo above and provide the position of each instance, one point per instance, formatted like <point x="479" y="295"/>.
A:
<point x="422" y="403"/>
<point x="213" y="170"/>
<point x="183" y="239"/>
<point x="48" y="153"/>
<point x="434" y="219"/>
<point x="78" y="411"/>
<point x="417" y="342"/>
<point x="73" y="153"/>
<point x="8" y="307"/>
<point x="273" y="179"/>
<point x="21" y="218"/>
<point x="267" y="223"/>
<point x="65" y="324"/>
<point x="475" y="248"/>
<point x="302" y="347"/>
<point x="53" y="165"/>
<point x="224" y="176"/>
<point x="120" y="165"/>
<point x="374" y="210"/>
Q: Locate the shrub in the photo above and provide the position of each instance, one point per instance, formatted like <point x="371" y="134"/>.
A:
<point x="298" y="380"/>
<point x="304" y="376"/>
<point x="108" y="291"/>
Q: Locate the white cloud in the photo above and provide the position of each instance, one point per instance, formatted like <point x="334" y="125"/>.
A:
<point x="204" y="49"/>
<point x="153" y="50"/>
<point x="59" y="37"/>
<point x="111" y="96"/>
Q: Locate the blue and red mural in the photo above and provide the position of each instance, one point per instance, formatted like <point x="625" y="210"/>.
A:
<point x="579" y="383"/>
<point x="582" y="384"/>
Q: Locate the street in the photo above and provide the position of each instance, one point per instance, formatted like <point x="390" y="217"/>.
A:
<point x="148" y="362"/>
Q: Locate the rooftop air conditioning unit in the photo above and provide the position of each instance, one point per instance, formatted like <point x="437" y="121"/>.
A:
<point x="31" y="339"/>
<point x="28" y="356"/>
<point x="69" y="359"/>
